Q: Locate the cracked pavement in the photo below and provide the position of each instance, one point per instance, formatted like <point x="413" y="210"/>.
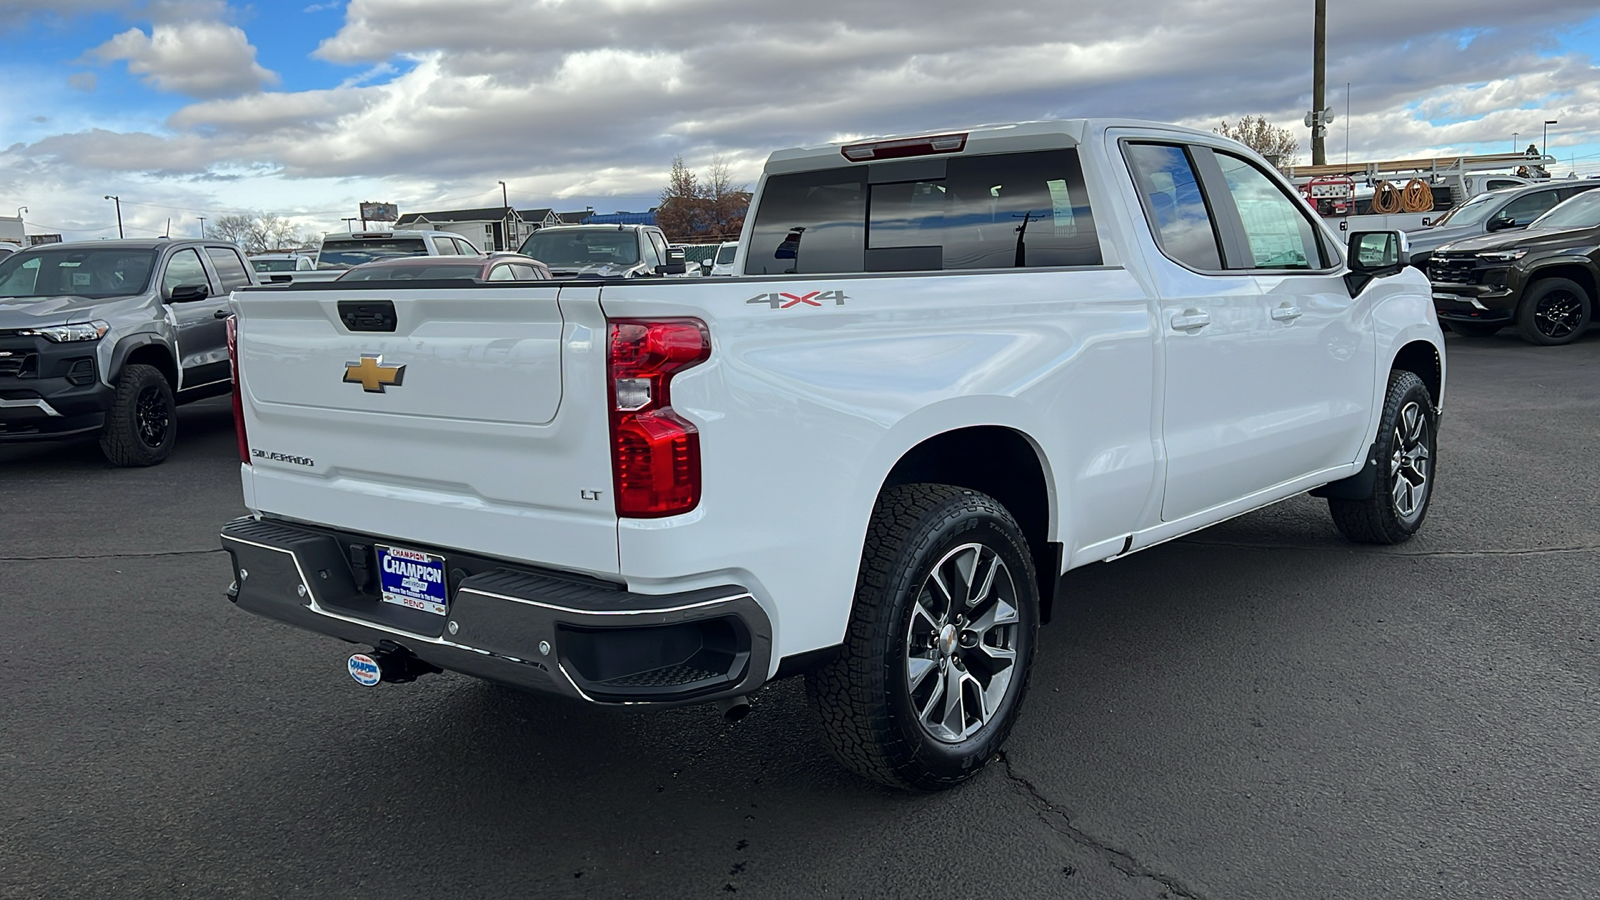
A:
<point x="1257" y="710"/>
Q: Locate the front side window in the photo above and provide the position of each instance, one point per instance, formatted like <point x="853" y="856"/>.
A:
<point x="1528" y="207"/>
<point x="1280" y="235"/>
<point x="1175" y="206"/>
<point x="183" y="269"/>
<point x="444" y="246"/>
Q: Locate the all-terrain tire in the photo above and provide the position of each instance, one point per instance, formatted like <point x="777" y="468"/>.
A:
<point x="1554" y="311"/>
<point x="142" y="424"/>
<point x="1407" y="456"/>
<point x="886" y="715"/>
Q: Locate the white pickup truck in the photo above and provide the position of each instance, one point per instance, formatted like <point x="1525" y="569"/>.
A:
<point x="955" y="367"/>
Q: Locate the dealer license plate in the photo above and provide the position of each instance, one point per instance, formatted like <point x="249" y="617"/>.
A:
<point x="412" y="579"/>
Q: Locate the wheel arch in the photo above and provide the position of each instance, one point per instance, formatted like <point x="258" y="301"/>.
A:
<point x="1581" y="274"/>
<point x="1004" y="463"/>
<point x="1425" y="360"/>
<point x="146" y="350"/>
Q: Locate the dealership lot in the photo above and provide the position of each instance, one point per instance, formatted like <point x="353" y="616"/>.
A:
<point x="1259" y="710"/>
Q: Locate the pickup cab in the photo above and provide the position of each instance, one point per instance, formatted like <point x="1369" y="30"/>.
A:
<point x="953" y="367"/>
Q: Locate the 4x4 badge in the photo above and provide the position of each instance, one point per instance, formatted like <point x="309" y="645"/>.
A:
<point x="372" y="374"/>
<point x="814" y="298"/>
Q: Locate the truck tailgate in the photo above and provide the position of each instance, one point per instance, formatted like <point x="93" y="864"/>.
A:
<point x="478" y="421"/>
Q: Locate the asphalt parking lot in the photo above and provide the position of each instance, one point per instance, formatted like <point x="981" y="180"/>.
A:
<point x="1260" y="710"/>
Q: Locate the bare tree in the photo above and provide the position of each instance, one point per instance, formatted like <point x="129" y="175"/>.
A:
<point x="680" y="211"/>
<point x="258" y="232"/>
<point x="1278" y="145"/>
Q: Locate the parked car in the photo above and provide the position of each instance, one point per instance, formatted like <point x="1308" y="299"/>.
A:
<point x="723" y="262"/>
<point x="108" y="337"/>
<point x="268" y="263"/>
<point x="494" y="267"/>
<point x="1542" y="280"/>
<point x="868" y="459"/>
<point x="604" y="251"/>
<point x="8" y="249"/>
<point x="1501" y="210"/>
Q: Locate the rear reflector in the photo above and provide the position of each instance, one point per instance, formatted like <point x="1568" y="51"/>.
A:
<point x="238" y="399"/>
<point x="655" y="453"/>
<point x="897" y="149"/>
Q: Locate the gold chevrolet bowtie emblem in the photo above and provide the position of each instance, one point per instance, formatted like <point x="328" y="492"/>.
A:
<point x="372" y="374"/>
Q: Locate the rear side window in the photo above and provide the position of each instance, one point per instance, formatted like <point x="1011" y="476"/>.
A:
<point x="1016" y="210"/>
<point x="230" y="268"/>
<point x="1174" y="205"/>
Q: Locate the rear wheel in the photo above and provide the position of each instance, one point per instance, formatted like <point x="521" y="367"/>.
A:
<point x="1406" y="455"/>
<point x="1554" y="311"/>
<point x="936" y="657"/>
<point x="142" y="424"/>
<point x="1476" y="329"/>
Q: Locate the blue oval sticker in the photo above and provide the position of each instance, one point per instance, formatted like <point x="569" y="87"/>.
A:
<point x="364" y="669"/>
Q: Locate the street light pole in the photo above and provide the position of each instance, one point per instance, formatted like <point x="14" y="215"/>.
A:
<point x="21" y="210"/>
<point x="505" y="219"/>
<point x="202" y="226"/>
<point x="1544" y="146"/>
<point x="119" y="212"/>
<point x="1513" y="142"/>
<point x="348" y="224"/>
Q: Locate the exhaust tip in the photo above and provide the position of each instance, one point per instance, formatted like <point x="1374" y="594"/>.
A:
<point x="733" y="709"/>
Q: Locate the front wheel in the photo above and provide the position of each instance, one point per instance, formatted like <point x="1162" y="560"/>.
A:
<point x="1554" y="311"/>
<point x="142" y="423"/>
<point x="1406" y="456"/>
<point x="937" y="653"/>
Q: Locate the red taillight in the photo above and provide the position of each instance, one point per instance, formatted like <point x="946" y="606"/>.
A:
<point x="655" y="453"/>
<point x="238" y="399"/>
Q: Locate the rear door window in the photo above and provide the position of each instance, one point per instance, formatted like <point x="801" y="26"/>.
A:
<point x="444" y="246"/>
<point x="1174" y="204"/>
<point x="230" y="268"/>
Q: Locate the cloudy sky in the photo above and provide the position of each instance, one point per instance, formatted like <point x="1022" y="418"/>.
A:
<point x="189" y="108"/>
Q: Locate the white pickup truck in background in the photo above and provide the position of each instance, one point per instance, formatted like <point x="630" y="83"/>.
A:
<point x="954" y="367"/>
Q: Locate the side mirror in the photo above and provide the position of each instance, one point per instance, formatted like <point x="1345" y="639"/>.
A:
<point x="674" y="264"/>
<point x="188" y="293"/>
<point x="1500" y="224"/>
<point x="1375" y="254"/>
<point x="705" y="265"/>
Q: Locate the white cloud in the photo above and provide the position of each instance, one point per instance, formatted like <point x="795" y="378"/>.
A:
<point x="198" y="58"/>
<point x="569" y="98"/>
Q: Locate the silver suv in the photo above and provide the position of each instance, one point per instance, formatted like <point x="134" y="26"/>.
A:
<point x="108" y="337"/>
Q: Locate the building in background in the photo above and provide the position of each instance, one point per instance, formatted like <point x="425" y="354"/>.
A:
<point x="491" y="228"/>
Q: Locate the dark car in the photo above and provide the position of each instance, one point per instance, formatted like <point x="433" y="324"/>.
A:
<point x="499" y="267"/>
<point x="1542" y="280"/>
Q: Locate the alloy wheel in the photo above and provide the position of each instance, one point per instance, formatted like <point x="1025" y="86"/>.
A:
<point x="152" y="417"/>
<point x="961" y="643"/>
<point x="1558" y="314"/>
<point x="1410" y="463"/>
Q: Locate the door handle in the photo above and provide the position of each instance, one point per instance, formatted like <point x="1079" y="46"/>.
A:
<point x="221" y="314"/>
<point x="1286" y="313"/>
<point x="1191" y="318"/>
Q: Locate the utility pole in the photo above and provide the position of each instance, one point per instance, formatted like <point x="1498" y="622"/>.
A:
<point x="1319" y="78"/>
<point x="202" y="226"/>
<point x="119" y="212"/>
<point x="1544" y="144"/>
<point x="349" y="224"/>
